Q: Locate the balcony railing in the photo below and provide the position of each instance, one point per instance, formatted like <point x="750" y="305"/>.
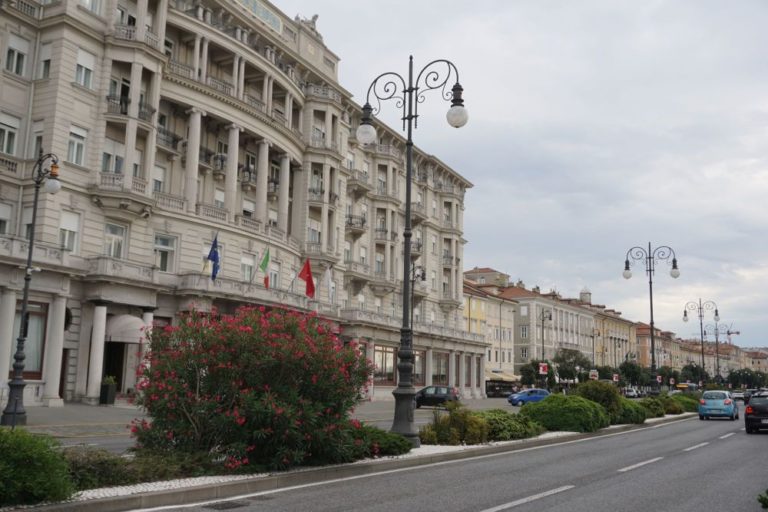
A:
<point x="316" y="194"/>
<point x="322" y="92"/>
<point x="125" y="32"/>
<point x="381" y="234"/>
<point x="167" y="138"/>
<point x="355" y="221"/>
<point x="146" y="111"/>
<point x="169" y="201"/>
<point x="220" y="85"/>
<point x="177" y="68"/>
<point x="388" y="150"/>
<point x="139" y="185"/>
<point x="117" y="104"/>
<point x="29" y="8"/>
<point x="357" y="267"/>
<point x="8" y="164"/>
<point x="151" y="39"/>
<point x="255" y="102"/>
<point x="212" y="212"/>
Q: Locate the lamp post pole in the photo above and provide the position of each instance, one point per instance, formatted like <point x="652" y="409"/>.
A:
<point x="407" y="95"/>
<point x="417" y="273"/>
<point x="546" y="314"/>
<point x="14" y="412"/>
<point x="718" y="331"/>
<point x="651" y="257"/>
<point x="700" y="307"/>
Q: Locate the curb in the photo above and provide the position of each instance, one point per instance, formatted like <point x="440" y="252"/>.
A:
<point x="224" y="490"/>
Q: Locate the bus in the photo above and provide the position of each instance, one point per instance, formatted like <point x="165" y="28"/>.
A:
<point x="687" y="387"/>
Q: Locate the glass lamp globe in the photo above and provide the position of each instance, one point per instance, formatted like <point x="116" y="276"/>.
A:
<point x="675" y="273"/>
<point x="457" y="116"/>
<point x="52" y="185"/>
<point x="366" y="133"/>
<point x="627" y="274"/>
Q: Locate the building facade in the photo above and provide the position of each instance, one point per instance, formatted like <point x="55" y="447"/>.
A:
<point x="181" y="123"/>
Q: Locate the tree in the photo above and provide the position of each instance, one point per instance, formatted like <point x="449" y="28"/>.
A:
<point x="567" y="360"/>
<point x="606" y="372"/>
<point x="529" y="374"/>
<point x="693" y="373"/>
<point x="631" y="372"/>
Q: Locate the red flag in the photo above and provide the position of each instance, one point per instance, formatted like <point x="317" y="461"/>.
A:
<point x="306" y="275"/>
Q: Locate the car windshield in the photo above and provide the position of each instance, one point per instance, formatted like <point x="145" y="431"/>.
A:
<point x="759" y="400"/>
<point x="714" y="395"/>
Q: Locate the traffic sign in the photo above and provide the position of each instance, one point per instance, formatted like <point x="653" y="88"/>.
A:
<point x="671" y="381"/>
<point x="658" y="379"/>
<point x="615" y="377"/>
<point x="593" y="374"/>
<point x="543" y="368"/>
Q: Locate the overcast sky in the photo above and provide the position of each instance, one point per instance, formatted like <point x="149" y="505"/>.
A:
<point x="595" y="126"/>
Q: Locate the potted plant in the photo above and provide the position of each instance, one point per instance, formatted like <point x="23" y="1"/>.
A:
<point x="108" y="390"/>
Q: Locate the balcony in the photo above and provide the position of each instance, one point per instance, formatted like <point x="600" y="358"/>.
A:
<point x="320" y="258"/>
<point x="388" y="150"/>
<point x="321" y="142"/>
<point x="146" y="111"/>
<point x="210" y="211"/>
<point x="167" y="139"/>
<point x="382" y="284"/>
<point x="316" y="195"/>
<point x="381" y="234"/>
<point x="219" y="85"/>
<point x="358" y="183"/>
<point x="273" y="188"/>
<point x="449" y="189"/>
<point x="117" y="105"/>
<point x="322" y="92"/>
<point x="449" y="300"/>
<point x="121" y="196"/>
<point x="416" y="249"/>
<point x="247" y="177"/>
<point x="182" y="70"/>
<point x="448" y="260"/>
<point x="249" y="224"/>
<point x="106" y="268"/>
<point x="355" y="224"/>
<point x="169" y="201"/>
<point x="255" y="102"/>
<point x="418" y="212"/>
<point x="9" y="164"/>
<point x="357" y="272"/>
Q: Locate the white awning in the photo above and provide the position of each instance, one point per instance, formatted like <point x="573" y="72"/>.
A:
<point x="125" y="329"/>
<point x="491" y="374"/>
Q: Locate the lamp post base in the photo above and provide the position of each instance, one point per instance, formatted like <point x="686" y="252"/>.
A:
<point x="403" y="422"/>
<point x="14" y="413"/>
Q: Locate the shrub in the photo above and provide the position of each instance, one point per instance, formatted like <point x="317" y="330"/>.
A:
<point x="259" y="387"/>
<point x="603" y="393"/>
<point x="380" y="442"/>
<point x="653" y="406"/>
<point x="763" y="499"/>
<point x="92" y="468"/>
<point x="571" y="413"/>
<point x="687" y="402"/>
<point x="630" y="412"/>
<point x="458" y="426"/>
<point x="671" y="406"/>
<point x="505" y="426"/>
<point x="32" y="469"/>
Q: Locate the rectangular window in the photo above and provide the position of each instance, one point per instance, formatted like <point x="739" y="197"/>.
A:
<point x="34" y="346"/>
<point x="247" y="266"/>
<point x="440" y="368"/>
<point x="114" y="240"/>
<point x="248" y="208"/>
<point x="86" y="63"/>
<point x="524" y="353"/>
<point x="218" y="198"/>
<point x="9" y="127"/>
<point x="274" y="276"/>
<point x="76" y="147"/>
<point x="69" y="226"/>
<point x="5" y="219"/>
<point x="384" y="366"/>
<point x="165" y="252"/>
<point x="158" y="179"/>
<point x="16" y="55"/>
<point x="364" y="255"/>
<point x="524" y="331"/>
<point x="91" y="5"/>
<point x="44" y="70"/>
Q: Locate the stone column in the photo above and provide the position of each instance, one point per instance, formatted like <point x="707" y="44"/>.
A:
<point x="474" y="391"/>
<point x="324" y="227"/>
<point x="141" y="20"/>
<point x="462" y="370"/>
<point x="193" y="159"/>
<point x="196" y="57"/>
<point x="328" y="128"/>
<point x="262" y="179"/>
<point x="289" y="110"/>
<point x="241" y="76"/>
<point x="151" y="146"/>
<point x="7" y="337"/>
<point x="429" y="367"/>
<point x="134" y="97"/>
<point x="161" y="17"/>
<point x="96" y="365"/>
<point x="230" y="180"/>
<point x="482" y="378"/>
<point x="236" y="76"/>
<point x="452" y="381"/>
<point x="204" y="62"/>
<point x="53" y="353"/>
<point x="283" y="190"/>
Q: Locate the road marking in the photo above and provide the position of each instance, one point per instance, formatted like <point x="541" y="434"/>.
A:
<point x="529" y="499"/>
<point x="726" y="436"/>
<point x="639" y="464"/>
<point x="695" y="447"/>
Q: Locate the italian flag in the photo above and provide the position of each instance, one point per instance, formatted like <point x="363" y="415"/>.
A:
<point x="264" y="266"/>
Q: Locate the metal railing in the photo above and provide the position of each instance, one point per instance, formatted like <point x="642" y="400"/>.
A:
<point x="167" y="138"/>
<point x="355" y="221"/>
<point x="177" y="68"/>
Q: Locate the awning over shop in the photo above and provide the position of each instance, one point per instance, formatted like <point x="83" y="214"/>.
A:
<point x="124" y="329"/>
<point x="491" y="374"/>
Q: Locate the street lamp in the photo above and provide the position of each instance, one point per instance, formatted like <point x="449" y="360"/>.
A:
<point x="545" y="314"/>
<point x="417" y="273"/>
<point x="407" y="95"/>
<point x="707" y="305"/>
<point x="651" y="257"/>
<point x="717" y="330"/>
<point x="14" y="412"/>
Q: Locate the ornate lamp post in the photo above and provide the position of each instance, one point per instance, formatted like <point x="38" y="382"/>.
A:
<point x="651" y="257"/>
<point x="545" y="314"/>
<point x="700" y="306"/>
<point x="407" y="95"/>
<point x="418" y="273"/>
<point x="717" y="330"/>
<point x="14" y="412"/>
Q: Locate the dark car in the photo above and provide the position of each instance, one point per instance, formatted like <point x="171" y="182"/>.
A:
<point x="756" y="412"/>
<point x="436" y="395"/>
<point x="527" y="395"/>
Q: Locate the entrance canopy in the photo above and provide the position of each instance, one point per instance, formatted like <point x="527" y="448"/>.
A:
<point x="125" y="329"/>
<point x="500" y="375"/>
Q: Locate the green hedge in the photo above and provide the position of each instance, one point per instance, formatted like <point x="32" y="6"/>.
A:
<point x="629" y="412"/>
<point x="569" y="413"/>
<point x="32" y="469"/>
<point x="671" y="406"/>
<point x="506" y="426"/>
<point x="653" y="406"/>
<point x="603" y="393"/>
<point x="688" y="403"/>
<point x="458" y="426"/>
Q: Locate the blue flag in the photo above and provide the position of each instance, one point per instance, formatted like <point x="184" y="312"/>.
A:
<point x="213" y="256"/>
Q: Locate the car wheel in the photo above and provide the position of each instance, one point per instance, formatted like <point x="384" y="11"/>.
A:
<point x="701" y="417"/>
<point x="418" y="404"/>
<point x="733" y="417"/>
<point x="749" y="430"/>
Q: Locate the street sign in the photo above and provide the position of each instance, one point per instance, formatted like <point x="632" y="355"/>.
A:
<point x="671" y="381"/>
<point x="543" y="368"/>
<point x="593" y="375"/>
<point x="615" y="377"/>
<point x="658" y="379"/>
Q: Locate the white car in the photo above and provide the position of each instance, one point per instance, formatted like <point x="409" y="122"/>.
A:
<point x="631" y="393"/>
<point x="738" y="395"/>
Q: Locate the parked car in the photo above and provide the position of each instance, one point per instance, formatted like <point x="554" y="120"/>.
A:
<point x="718" y="404"/>
<point x="756" y="412"/>
<point x="748" y="393"/>
<point x="436" y="395"/>
<point x="630" y="393"/>
<point x="737" y="395"/>
<point x="528" y="395"/>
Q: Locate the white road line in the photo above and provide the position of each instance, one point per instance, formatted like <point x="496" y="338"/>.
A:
<point x="695" y="446"/>
<point x="726" y="436"/>
<point x="523" y="501"/>
<point x="639" y="464"/>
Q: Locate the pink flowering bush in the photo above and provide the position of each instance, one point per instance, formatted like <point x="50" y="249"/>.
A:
<point x="258" y="388"/>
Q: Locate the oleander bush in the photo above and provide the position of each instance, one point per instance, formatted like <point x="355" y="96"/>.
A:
<point x="653" y="406"/>
<point x="257" y="388"/>
<point x="687" y="402"/>
<point x="603" y="393"/>
<point x="506" y="426"/>
<point x="32" y="469"/>
<point x="570" y="413"/>
<point x="457" y="425"/>
<point x="630" y="412"/>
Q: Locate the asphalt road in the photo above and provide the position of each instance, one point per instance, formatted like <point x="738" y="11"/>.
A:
<point x="686" y="466"/>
